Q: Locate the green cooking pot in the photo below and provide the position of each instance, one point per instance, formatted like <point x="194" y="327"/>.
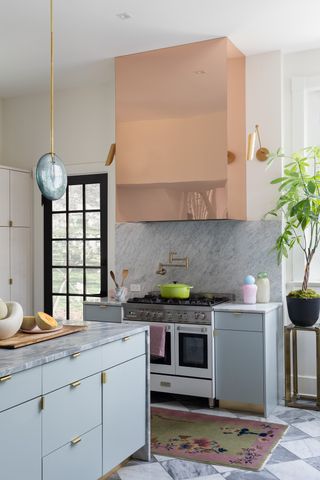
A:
<point x="175" y="290"/>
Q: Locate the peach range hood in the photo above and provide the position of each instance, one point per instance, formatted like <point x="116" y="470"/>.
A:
<point x="179" y="111"/>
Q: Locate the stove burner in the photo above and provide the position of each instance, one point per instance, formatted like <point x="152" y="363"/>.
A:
<point x="193" y="301"/>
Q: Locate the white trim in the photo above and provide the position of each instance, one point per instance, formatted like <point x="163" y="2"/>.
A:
<point x="300" y="86"/>
<point x="72" y="169"/>
<point x="5" y="167"/>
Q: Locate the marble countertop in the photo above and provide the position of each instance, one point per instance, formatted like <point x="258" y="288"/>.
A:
<point x="97" y="333"/>
<point x="103" y="301"/>
<point x="243" y="307"/>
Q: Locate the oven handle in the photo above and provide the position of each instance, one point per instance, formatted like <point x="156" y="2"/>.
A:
<point x="192" y="329"/>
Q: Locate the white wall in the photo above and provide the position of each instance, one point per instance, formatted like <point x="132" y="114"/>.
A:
<point x="84" y="131"/>
<point x="264" y="108"/>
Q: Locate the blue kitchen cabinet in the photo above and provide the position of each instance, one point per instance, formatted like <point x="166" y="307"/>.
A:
<point x="123" y="410"/>
<point x="246" y="359"/>
<point x="20" y="441"/>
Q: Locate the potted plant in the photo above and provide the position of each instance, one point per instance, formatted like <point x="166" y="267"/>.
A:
<point x="299" y="203"/>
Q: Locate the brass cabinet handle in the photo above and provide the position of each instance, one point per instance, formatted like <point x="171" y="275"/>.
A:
<point x="103" y="306"/>
<point x="103" y="377"/>
<point x="75" y="384"/>
<point x="5" y="378"/>
<point x="165" y="384"/>
<point x="125" y="339"/>
<point x="237" y="313"/>
<point x="75" y="440"/>
<point x="75" y="355"/>
<point x="42" y="403"/>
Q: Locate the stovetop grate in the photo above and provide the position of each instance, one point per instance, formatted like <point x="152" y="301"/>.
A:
<point x="195" y="300"/>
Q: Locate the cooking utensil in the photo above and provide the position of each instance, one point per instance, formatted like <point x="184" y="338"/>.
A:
<point x="125" y="273"/>
<point x="175" y="290"/>
<point x="112" y="275"/>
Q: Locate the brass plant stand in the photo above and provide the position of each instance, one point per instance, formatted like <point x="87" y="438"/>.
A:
<point x="292" y="396"/>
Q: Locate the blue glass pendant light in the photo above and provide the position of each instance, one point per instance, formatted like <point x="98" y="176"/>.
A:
<point x="51" y="174"/>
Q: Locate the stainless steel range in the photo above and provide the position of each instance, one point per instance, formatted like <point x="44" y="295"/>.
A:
<point x="188" y="364"/>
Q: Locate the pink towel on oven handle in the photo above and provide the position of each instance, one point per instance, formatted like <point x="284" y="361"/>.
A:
<point x="157" y="340"/>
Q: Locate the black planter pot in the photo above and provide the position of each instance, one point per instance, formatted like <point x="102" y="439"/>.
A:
<point x="303" y="312"/>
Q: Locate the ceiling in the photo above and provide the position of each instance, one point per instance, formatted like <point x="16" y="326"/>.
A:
<point x="89" y="33"/>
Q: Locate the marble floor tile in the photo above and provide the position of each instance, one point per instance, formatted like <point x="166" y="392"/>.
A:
<point x="308" y="447"/>
<point x="223" y="469"/>
<point x="293" y="434"/>
<point x="245" y="475"/>
<point x="216" y="412"/>
<point x="314" y="461"/>
<point x="162" y="458"/>
<point x="281" y="454"/>
<point x="181" y="469"/>
<point x="171" y="405"/>
<point x="297" y="470"/>
<point x="215" y="476"/>
<point x="295" y="415"/>
<point x="310" y="428"/>
<point x="149" y="471"/>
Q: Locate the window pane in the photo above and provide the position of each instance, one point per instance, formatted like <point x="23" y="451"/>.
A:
<point x="75" y="225"/>
<point x="76" y="253"/>
<point x="58" y="205"/>
<point x="59" y="224"/>
<point x="59" y="252"/>
<point x="93" y="285"/>
<point x="93" y="196"/>
<point x="59" y="279"/>
<point x="76" y="308"/>
<point x="76" y="280"/>
<point x="93" y="225"/>
<point x="59" y="309"/>
<point x="93" y="253"/>
<point x="75" y="197"/>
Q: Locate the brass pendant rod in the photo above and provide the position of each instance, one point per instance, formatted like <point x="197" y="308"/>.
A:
<point x="51" y="80"/>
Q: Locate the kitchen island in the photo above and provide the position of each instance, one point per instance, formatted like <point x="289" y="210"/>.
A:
<point x="77" y="406"/>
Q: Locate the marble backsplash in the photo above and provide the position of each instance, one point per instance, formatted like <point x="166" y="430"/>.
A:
<point x="221" y="253"/>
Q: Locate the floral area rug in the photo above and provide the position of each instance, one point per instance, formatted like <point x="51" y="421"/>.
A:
<point x="213" y="439"/>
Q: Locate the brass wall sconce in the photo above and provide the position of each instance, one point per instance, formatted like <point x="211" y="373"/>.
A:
<point x="173" y="262"/>
<point x="111" y="155"/>
<point x="262" y="153"/>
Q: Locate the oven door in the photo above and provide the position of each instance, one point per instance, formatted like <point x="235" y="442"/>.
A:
<point x="194" y="351"/>
<point x="166" y="364"/>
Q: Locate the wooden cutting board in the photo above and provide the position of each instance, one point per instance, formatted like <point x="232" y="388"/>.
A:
<point x="21" y="339"/>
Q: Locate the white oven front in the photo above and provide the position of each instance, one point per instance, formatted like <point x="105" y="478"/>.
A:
<point x="165" y="365"/>
<point x="194" y="350"/>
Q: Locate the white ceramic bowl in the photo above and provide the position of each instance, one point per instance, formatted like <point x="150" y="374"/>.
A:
<point x="12" y="323"/>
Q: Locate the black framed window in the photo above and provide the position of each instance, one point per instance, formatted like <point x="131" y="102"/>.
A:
<point x="75" y="246"/>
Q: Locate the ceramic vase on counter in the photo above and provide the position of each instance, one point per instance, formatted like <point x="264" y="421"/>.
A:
<point x="249" y="290"/>
<point x="263" y="285"/>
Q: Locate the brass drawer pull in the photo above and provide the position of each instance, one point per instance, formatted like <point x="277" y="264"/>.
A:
<point x="125" y="339"/>
<point x="165" y="384"/>
<point x="6" y="378"/>
<point x="103" y="377"/>
<point x="75" y="384"/>
<point x="237" y="313"/>
<point x="75" y="440"/>
<point x="75" y="355"/>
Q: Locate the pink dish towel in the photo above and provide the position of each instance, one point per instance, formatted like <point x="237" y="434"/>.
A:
<point x="157" y="340"/>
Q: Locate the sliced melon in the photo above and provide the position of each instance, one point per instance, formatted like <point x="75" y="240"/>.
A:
<point x="28" y="323"/>
<point x="3" y="310"/>
<point x="45" y="321"/>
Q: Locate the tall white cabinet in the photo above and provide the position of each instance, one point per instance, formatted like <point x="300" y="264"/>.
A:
<point x="15" y="237"/>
